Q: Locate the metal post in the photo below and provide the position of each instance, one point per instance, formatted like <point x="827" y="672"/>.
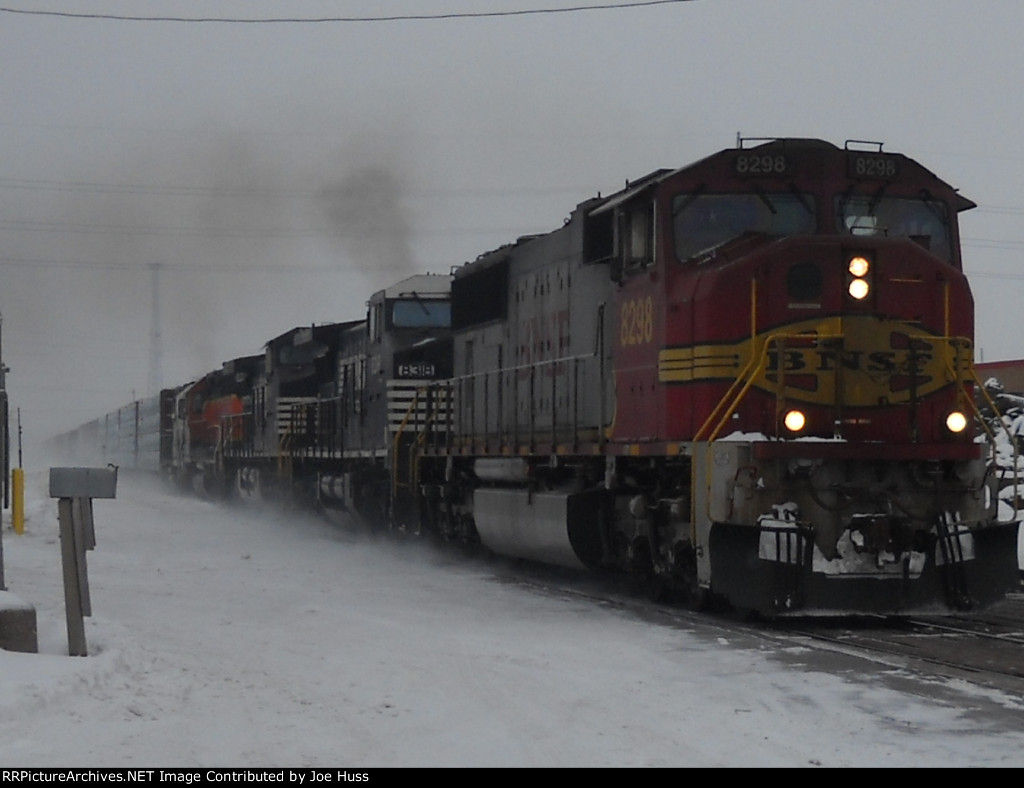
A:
<point x="70" y="550"/>
<point x="75" y="488"/>
<point x="18" y="500"/>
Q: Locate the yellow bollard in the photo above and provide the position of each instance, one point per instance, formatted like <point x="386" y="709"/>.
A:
<point x="18" y="500"/>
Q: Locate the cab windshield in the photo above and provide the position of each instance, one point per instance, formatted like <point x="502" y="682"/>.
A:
<point x="703" y="222"/>
<point x="923" y="221"/>
<point x="421" y="313"/>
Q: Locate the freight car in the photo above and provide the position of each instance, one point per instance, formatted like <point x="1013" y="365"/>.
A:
<point x="136" y="436"/>
<point x="750" y="378"/>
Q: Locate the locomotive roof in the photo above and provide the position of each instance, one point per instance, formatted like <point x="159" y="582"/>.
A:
<point x="420" y="285"/>
<point x="304" y="333"/>
<point x="599" y="205"/>
<point x="241" y="364"/>
<point x="632" y="189"/>
<point x="595" y="206"/>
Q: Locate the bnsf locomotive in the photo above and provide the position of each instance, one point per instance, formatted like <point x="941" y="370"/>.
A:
<point x="748" y="379"/>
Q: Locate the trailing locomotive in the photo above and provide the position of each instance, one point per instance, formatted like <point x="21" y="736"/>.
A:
<point x="749" y="378"/>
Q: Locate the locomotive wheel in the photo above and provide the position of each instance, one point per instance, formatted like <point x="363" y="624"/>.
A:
<point x="689" y="590"/>
<point x="696" y="598"/>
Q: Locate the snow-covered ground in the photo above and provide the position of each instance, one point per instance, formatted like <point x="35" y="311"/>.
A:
<point x="223" y="637"/>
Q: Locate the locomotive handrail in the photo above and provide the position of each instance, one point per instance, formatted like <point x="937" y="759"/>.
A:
<point x="751" y="371"/>
<point x="458" y="381"/>
<point x="742" y="374"/>
<point x="972" y="374"/>
<point x="762" y="356"/>
<point x="747" y="380"/>
<point x="520" y="367"/>
<point x="1009" y="436"/>
<point x="398" y="436"/>
<point x="395" y="442"/>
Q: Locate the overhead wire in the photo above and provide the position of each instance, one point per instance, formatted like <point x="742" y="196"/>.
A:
<point x="346" y="19"/>
<point x="241" y="232"/>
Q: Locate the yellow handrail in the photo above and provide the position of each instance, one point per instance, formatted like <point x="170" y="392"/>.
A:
<point x="420" y="438"/>
<point x="740" y="377"/>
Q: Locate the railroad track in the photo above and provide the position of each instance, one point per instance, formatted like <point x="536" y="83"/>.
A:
<point x="984" y="648"/>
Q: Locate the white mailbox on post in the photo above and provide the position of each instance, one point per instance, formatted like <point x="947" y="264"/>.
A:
<point x="76" y="487"/>
<point x="83" y="482"/>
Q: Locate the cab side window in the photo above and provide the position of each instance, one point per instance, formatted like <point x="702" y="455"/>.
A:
<point x="636" y="236"/>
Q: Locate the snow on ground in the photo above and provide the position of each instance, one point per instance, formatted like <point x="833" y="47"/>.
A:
<point x="224" y="637"/>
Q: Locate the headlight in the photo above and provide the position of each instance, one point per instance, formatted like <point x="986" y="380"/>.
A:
<point x="859" y="266"/>
<point x="858" y="275"/>
<point x="858" y="289"/>
<point x="794" y="421"/>
<point x="956" y="421"/>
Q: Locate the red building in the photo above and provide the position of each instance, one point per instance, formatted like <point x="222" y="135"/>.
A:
<point x="1009" y="373"/>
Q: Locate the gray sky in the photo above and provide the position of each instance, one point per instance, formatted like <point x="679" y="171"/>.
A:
<point x="229" y="154"/>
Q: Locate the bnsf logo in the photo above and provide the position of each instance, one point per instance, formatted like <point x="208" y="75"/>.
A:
<point x="878" y="361"/>
<point x="856" y="361"/>
<point x="858" y="377"/>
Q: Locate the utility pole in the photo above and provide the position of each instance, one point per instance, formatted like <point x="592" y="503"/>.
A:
<point x="5" y="450"/>
<point x="155" y="344"/>
<point x="5" y="436"/>
<point x="3" y="369"/>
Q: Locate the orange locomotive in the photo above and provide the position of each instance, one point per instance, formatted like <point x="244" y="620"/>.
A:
<point x="749" y="378"/>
